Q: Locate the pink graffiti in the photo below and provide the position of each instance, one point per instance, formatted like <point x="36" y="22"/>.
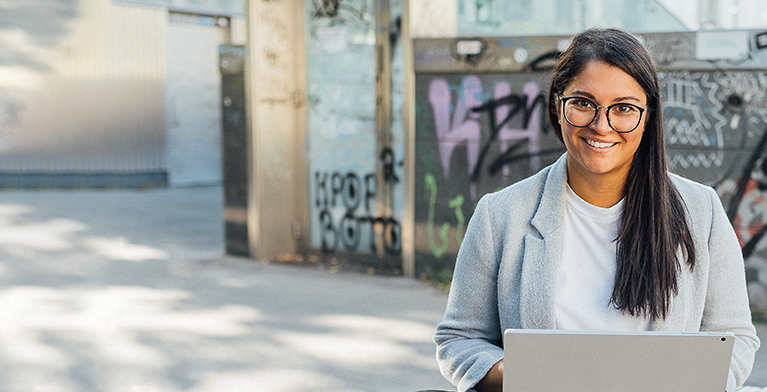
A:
<point x="462" y="129"/>
<point x="532" y="132"/>
<point x="462" y="125"/>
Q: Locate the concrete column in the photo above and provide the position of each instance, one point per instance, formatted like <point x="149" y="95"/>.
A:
<point x="276" y="89"/>
<point x="383" y="117"/>
<point x="408" y="118"/>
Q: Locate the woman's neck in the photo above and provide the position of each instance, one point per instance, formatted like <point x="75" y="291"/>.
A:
<point x="601" y="190"/>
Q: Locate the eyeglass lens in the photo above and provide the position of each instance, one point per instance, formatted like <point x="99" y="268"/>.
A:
<point x="622" y="117"/>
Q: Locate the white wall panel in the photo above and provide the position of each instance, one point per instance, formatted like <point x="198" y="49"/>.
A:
<point x="193" y="108"/>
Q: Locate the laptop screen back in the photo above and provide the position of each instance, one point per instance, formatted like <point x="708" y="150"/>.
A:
<point x="577" y="361"/>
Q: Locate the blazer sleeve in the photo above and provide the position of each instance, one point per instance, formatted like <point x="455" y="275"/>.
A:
<point x="727" y="307"/>
<point x="469" y="339"/>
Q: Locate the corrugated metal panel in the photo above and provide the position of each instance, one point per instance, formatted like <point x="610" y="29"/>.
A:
<point x="94" y="103"/>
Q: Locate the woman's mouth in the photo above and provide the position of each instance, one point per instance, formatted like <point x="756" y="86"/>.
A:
<point x="597" y="144"/>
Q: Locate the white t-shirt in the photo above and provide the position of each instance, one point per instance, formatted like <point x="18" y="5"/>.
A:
<point x="586" y="272"/>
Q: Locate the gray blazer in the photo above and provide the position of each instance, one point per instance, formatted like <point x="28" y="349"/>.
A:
<point x="507" y="264"/>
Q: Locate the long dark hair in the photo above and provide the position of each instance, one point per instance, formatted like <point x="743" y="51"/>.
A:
<point x="653" y="228"/>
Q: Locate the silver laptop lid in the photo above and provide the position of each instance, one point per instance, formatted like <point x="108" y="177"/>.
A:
<point x="584" y="361"/>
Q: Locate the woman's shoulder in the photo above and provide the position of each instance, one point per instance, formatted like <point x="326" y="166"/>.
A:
<point x="701" y="201"/>
<point x="692" y="191"/>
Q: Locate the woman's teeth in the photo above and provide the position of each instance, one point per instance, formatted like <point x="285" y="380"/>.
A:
<point x="598" y="144"/>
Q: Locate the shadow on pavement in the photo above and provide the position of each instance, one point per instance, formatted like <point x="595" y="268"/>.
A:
<point x="129" y="291"/>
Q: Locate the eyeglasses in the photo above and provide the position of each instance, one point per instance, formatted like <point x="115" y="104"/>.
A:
<point x="581" y="112"/>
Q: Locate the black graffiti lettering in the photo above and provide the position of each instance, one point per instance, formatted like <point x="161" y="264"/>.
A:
<point x="510" y="156"/>
<point x="350" y="231"/>
<point x="326" y="8"/>
<point x="387" y="159"/>
<point x="732" y="210"/>
<point x="516" y="103"/>
<point x="333" y="8"/>
<point x="351" y="192"/>
<point x="320" y="187"/>
<point x="371" y="186"/>
<point x="740" y="191"/>
<point x="395" y="30"/>
<point x="750" y="246"/>
<point x="327" y="231"/>
<point x="545" y="62"/>
<point x="337" y="186"/>
<point x="354" y="190"/>
<point x="393" y="237"/>
<point x="517" y="106"/>
<point x="372" y="220"/>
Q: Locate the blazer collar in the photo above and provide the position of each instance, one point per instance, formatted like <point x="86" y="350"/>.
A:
<point x="550" y="212"/>
<point x="542" y="253"/>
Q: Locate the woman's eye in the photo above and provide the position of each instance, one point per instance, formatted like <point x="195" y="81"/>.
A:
<point x="582" y="103"/>
<point x="624" y="109"/>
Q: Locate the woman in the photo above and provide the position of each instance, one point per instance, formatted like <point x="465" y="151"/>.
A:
<point x="603" y="239"/>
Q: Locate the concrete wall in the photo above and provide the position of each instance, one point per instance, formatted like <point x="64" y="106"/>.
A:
<point x="341" y="114"/>
<point x="349" y="164"/>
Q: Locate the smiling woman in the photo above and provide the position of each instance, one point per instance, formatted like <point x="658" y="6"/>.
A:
<point x="599" y="154"/>
<point x="603" y="239"/>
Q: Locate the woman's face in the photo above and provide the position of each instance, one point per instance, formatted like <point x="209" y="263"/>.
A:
<point x="597" y="152"/>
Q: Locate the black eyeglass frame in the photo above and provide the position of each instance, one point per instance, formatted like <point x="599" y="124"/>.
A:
<point x="596" y="112"/>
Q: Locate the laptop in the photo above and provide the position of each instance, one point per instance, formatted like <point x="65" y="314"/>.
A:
<point x="584" y="361"/>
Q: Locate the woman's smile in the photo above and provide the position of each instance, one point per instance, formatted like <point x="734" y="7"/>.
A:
<point x="599" y="145"/>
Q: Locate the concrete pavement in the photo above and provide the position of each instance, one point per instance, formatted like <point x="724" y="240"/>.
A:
<point x="129" y="291"/>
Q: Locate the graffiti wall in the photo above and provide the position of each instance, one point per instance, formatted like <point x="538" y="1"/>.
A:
<point x="474" y="134"/>
<point x="347" y="166"/>
<point x="716" y="127"/>
<point x="479" y="132"/>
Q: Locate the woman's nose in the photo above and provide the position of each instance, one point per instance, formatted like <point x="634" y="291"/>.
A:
<point x="601" y="124"/>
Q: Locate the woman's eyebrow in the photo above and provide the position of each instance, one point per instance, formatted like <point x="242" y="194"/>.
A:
<point x="627" y="98"/>
<point x="618" y="99"/>
<point x="582" y="93"/>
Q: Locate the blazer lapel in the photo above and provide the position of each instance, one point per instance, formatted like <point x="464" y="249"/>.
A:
<point x="541" y="254"/>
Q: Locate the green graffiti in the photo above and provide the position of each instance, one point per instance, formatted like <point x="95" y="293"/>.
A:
<point x="438" y="251"/>
<point x="456" y="204"/>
